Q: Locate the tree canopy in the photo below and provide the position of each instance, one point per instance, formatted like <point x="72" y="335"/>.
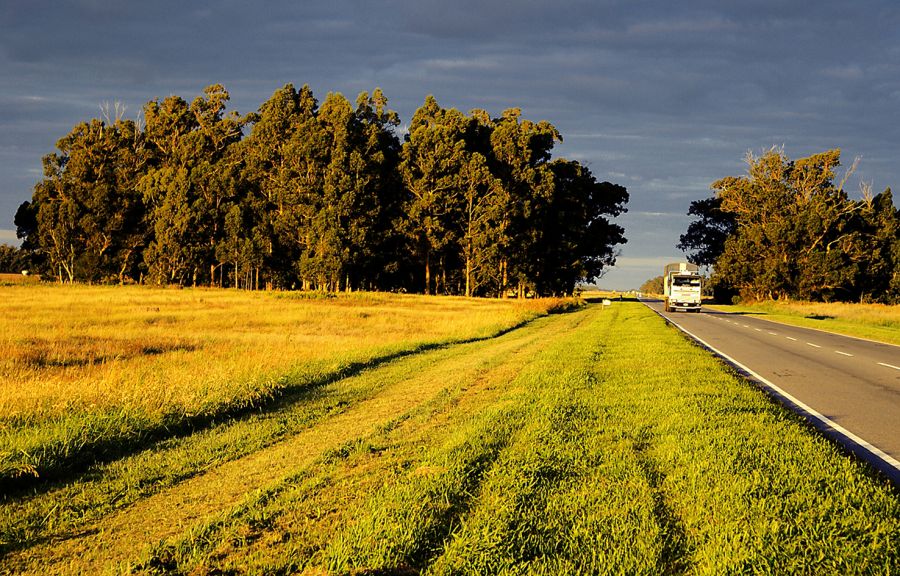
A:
<point x="786" y="230"/>
<point x="327" y="196"/>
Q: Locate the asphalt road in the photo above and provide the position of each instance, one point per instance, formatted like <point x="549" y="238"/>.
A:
<point x="849" y="388"/>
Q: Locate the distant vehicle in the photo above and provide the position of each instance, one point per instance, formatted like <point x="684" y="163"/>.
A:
<point x="681" y="287"/>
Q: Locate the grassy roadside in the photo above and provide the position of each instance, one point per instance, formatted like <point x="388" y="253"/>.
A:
<point x="879" y="322"/>
<point x="154" y="494"/>
<point x="95" y="373"/>
<point x="601" y="455"/>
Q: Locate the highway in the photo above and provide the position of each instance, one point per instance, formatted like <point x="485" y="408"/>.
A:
<point x="847" y="387"/>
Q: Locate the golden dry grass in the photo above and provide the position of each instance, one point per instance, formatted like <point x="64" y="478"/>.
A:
<point x="84" y="348"/>
<point x="402" y="388"/>
<point x="86" y="368"/>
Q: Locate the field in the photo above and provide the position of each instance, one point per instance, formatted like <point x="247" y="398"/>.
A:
<point x="8" y="279"/>
<point x="879" y="322"/>
<point x="384" y="434"/>
<point x="84" y="371"/>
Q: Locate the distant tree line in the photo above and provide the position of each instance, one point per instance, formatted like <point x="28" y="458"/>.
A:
<point x="653" y="286"/>
<point x="327" y="197"/>
<point x="786" y="230"/>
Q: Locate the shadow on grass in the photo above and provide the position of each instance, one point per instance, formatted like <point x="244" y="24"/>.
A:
<point x="78" y="459"/>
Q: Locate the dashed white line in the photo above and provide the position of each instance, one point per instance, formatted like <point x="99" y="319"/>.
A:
<point x="746" y="325"/>
<point x="813" y="345"/>
<point x="843" y="353"/>
<point x="883" y="461"/>
<point x="758" y="329"/>
<point x="789" y="338"/>
<point x="774" y="333"/>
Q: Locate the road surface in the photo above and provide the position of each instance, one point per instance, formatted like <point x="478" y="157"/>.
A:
<point x="849" y="388"/>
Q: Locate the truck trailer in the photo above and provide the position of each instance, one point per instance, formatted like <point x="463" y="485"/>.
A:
<point x="682" y="285"/>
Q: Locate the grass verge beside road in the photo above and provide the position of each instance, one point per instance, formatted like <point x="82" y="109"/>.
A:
<point x="598" y="441"/>
<point x="618" y="447"/>
<point x="879" y="322"/>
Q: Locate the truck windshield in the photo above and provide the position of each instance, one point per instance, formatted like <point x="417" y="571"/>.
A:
<point x="686" y="281"/>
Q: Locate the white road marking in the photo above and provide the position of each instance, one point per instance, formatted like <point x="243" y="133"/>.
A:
<point x="774" y="333"/>
<point x="825" y="423"/>
<point x="789" y="338"/>
<point x="813" y="345"/>
<point x="843" y="353"/>
<point x="758" y="329"/>
<point x="746" y="325"/>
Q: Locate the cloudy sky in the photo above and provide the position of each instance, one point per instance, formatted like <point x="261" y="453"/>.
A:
<point x="662" y="97"/>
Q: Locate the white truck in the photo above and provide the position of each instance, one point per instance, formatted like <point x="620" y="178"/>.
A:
<point x="681" y="287"/>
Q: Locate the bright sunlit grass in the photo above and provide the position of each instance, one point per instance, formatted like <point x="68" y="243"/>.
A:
<point x="619" y="448"/>
<point x="80" y="366"/>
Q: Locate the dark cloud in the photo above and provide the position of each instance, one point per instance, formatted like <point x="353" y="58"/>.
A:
<point x="659" y="96"/>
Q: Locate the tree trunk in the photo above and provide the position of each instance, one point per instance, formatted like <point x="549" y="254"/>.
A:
<point x="468" y="275"/>
<point x="427" y="273"/>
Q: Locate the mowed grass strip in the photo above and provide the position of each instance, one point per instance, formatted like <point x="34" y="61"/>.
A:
<point x="324" y="425"/>
<point x="292" y="526"/>
<point x="620" y="448"/>
<point x="734" y="482"/>
<point x="880" y="322"/>
<point x="91" y="373"/>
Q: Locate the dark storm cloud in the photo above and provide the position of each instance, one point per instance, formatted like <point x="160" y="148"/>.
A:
<point x="661" y="97"/>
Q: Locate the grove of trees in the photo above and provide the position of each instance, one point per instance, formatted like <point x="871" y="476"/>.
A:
<point x="320" y="196"/>
<point x="786" y="230"/>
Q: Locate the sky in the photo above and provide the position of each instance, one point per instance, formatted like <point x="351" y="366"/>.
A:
<point x="661" y="97"/>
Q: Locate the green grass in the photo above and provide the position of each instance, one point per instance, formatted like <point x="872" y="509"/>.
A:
<point x="615" y="447"/>
<point x="93" y="374"/>
<point x="878" y="322"/>
<point x="172" y="465"/>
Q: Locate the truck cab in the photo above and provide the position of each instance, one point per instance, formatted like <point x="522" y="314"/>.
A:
<point x="682" y="286"/>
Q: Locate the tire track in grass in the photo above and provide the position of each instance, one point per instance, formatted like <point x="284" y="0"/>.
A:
<point x="673" y="554"/>
<point x="27" y="521"/>
<point x="319" y="500"/>
<point x="403" y="525"/>
<point x="113" y="539"/>
<point x="61" y="507"/>
<point x="540" y="458"/>
<point x="749" y="487"/>
<point x="478" y="389"/>
<point x="108" y="437"/>
<point x="569" y="496"/>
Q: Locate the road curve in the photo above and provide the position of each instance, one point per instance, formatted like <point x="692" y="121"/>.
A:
<point x="847" y="387"/>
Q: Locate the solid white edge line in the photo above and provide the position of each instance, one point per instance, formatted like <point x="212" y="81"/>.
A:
<point x="713" y="307"/>
<point x="889" y="365"/>
<point x="824" y="420"/>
